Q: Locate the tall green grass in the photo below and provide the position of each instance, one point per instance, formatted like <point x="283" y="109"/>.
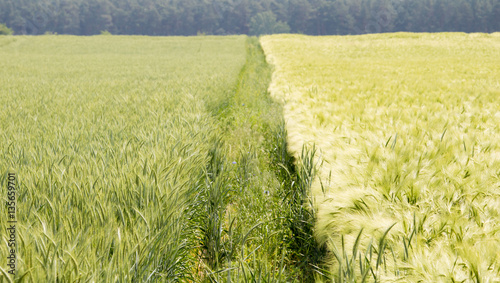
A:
<point x="256" y="222"/>
<point x="246" y="204"/>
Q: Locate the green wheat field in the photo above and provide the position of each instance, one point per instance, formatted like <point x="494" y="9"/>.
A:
<point x="371" y="158"/>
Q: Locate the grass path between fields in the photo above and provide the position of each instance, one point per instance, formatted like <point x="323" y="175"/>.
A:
<point x="265" y="231"/>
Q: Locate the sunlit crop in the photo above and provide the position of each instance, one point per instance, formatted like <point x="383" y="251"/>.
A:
<point x="407" y="128"/>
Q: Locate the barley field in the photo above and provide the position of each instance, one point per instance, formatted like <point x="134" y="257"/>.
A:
<point x="407" y="132"/>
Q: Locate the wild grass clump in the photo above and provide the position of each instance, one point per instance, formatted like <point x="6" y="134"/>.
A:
<point x="251" y="223"/>
<point x="297" y="207"/>
<point x="406" y="131"/>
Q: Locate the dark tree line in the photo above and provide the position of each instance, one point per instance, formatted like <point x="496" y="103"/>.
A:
<point x="190" y="17"/>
